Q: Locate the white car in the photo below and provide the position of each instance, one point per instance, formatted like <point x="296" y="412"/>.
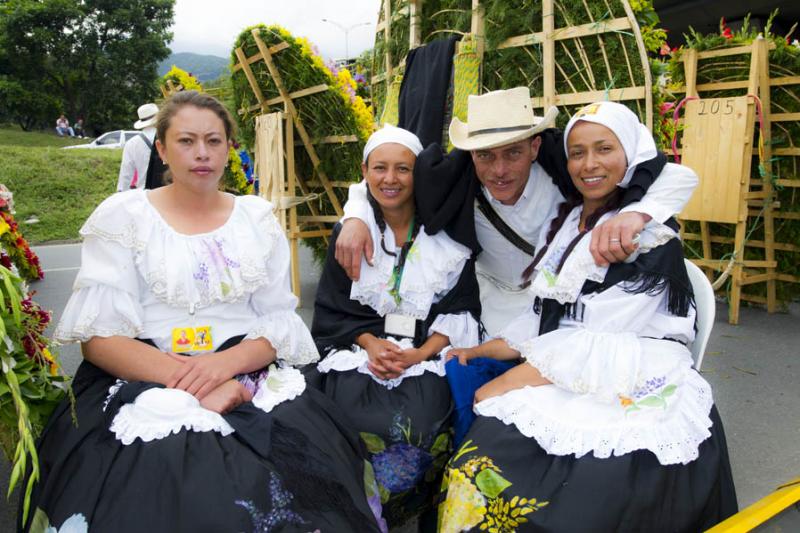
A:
<point x="112" y="139"/>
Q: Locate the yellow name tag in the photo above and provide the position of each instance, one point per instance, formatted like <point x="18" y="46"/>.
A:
<point x="188" y="339"/>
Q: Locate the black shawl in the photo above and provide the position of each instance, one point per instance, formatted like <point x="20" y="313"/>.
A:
<point x="338" y="320"/>
<point x="446" y="184"/>
<point x="423" y="93"/>
<point x="661" y="269"/>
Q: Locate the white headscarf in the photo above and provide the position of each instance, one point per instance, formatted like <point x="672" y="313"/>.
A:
<point x="635" y="138"/>
<point x="392" y="134"/>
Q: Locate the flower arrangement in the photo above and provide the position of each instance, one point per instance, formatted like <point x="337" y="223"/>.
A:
<point x="599" y="62"/>
<point x="339" y="111"/>
<point x="182" y="79"/>
<point x="235" y="179"/>
<point x="31" y="382"/>
<point x="784" y="62"/>
<point x="15" y="253"/>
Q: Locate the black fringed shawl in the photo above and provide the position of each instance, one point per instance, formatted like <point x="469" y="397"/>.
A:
<point x="446" y="184"/>
<point x="661" y="269"/>
<point x="338" y="320"/>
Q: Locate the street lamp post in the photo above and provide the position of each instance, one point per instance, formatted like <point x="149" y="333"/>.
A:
<point x="346" y="30"/>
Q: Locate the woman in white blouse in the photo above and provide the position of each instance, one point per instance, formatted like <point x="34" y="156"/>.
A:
<point x="383" y="337"/>
<point x="604" y="425"/>
<point x="190" y="415"/>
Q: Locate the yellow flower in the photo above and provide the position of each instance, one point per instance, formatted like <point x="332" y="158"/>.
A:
<point x="4" y="227"/>
<point x="464" y="507"/>
<point x="625" y="401"/>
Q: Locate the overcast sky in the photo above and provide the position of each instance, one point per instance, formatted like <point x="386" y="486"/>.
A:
<point x="211" y="26"/>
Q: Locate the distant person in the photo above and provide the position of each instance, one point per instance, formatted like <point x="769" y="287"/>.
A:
<point x="78" y="128"/>
<point x="62" y="127"/>
<point x="141" y="167"/>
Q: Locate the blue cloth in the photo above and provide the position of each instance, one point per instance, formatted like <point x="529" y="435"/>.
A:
<point x="464" y="380"/>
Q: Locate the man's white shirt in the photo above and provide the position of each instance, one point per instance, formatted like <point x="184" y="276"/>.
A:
<point x="135" y="160"/>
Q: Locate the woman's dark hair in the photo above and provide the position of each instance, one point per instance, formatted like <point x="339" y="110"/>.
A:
<point x="564" y="209"/>
<point x="195" y="99"/>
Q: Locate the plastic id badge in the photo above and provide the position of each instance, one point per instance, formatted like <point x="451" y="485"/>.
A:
<point x="192" y="339"/>
<point x="400" y="325"/>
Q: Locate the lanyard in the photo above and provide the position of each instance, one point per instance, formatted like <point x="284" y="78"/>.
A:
<point x="397" y="272"/>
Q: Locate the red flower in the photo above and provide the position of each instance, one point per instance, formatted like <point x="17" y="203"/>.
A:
<point x="727" y="33"/>
<point x="664" y="51"/>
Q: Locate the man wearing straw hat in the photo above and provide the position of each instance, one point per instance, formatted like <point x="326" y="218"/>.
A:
<point x="137" y="152"/>
<point x="520" y="178"/>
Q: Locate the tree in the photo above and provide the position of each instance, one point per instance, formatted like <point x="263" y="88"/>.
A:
<point x="95" y="59"/>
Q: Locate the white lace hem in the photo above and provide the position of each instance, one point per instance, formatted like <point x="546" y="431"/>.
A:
<point x="290" y="337"/>
<point x="280" y="385"/>
<point x="357" y="359"/>
<point x="564" y="423"/>
<point x="159" y="412"/>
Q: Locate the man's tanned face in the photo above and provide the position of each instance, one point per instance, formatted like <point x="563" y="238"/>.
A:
<point x="504" y="170"/>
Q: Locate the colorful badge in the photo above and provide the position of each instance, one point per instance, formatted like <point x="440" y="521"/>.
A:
<point x="189" y="339"/>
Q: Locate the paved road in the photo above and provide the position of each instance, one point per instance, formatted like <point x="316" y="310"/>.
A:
<point x="754" y="369"/>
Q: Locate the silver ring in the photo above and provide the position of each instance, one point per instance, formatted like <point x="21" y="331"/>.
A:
<point x="613" y="240"/>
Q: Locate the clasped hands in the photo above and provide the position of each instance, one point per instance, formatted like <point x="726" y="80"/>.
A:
<point x="387" y="360"/>
<point x="209" y="378"/>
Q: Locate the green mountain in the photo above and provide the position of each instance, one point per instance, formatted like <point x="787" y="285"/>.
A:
<point x="203" y="67"/>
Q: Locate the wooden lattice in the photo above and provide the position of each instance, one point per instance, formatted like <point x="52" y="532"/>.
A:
<point x="567" y="66"/>
<point x="275" y="144"/>
<point x="749" y="261"/>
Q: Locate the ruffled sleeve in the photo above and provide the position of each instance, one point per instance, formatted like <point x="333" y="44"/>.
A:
<point x="275" y="304"/>
<point x="105" y="299"/>
<point x="461" y="329"/>
<point x="602" y="354"/>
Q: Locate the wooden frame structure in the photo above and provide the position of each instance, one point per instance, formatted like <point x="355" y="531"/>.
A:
<point x="276" y="139"/>
<point x="567" y="39"/>
<point x="759" y="200"/>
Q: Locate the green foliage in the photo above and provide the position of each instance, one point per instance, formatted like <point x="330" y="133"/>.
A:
<point x="90" y="59"/>
<point x="593" y="63"/>
<point x="60" y="187"/>
<point x="335" y="112"/>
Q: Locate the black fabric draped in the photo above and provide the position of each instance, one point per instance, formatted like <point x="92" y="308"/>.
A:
<point x="423" y="92"/>
<point x="661" y="269"/>
<point x="338" y="320"/>
<point x="446" y="185"/>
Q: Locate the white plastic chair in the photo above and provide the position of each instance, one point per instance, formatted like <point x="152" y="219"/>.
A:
<point x="706" y="310"/>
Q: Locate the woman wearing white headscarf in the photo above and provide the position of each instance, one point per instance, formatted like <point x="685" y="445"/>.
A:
<point x="605" y="425"/>
<point x="383" y="337"/>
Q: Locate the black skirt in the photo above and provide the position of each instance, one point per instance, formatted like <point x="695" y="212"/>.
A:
<point x="500" y="480"/>
<point x="295" y="469"/>
<point x="407" y="431"/>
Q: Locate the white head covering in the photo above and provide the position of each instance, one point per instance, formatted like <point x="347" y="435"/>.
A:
<point x="392" y="134"/>
<point x="635" y="138"/>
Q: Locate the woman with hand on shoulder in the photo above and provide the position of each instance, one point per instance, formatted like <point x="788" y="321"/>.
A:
<point x="382" y="336"/>
<point x="190" y="416"/>
<point x="605" y="425"/>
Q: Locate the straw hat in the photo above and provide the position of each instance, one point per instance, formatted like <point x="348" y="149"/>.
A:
<point x="147" y="116"/>
<point x="498" y="118"/>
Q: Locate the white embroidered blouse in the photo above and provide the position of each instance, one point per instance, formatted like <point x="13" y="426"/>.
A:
<point x="140" y="278"/>
<point x="619" y="383"/>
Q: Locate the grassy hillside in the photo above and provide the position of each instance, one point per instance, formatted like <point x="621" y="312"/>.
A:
<point x="59" y="187"/>
<point x="203" y="67"/>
